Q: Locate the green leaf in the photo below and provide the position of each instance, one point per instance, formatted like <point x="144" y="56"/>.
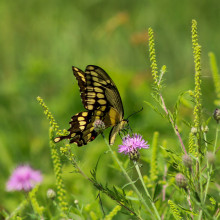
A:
<point x="157" y="191"/>
<point x="155" y="109"/>
<point x="186" y="210"/>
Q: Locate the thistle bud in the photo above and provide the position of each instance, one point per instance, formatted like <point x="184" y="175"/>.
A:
<point x="181" y="180"/>
<point x="51" y="194"/>
<point x="216" y="115"/>
<point x="187" y="160"/>
<point x="99" y="126"/>
<point x="134" y="154"/>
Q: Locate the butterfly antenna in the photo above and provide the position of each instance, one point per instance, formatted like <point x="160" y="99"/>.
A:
<point x="135" y="113"/>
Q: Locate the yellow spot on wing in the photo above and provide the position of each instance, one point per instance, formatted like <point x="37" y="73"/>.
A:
<point x="90" y="107"/>
<point x="73" y="135"/>
<point x="84" y="114"/>
<point x="82" y="127"/>
<point x="100" y="95"/>
<point x="97" y="84"/>
<point x="99" y="113"/>
<point x="82" y="77"/>
<point x="81" y="118"/>
<point x="91" y="101"/>
<point x="93" y="73"/>
<point x="89" y="135"/>
<point x="97" y="89"/>
<point x="102" y="101"/>
<point x="82" y="122"/>
<point x="91" y="94"/>
<point x="90" y="68"/>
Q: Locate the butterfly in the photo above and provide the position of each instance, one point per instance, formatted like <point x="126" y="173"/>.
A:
<point x="102" y="101"/>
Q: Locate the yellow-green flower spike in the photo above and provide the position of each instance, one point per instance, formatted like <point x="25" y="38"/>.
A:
<point x="61" y="192"/>
<point x="197" y="90"/>
<point x="153" y="56"/>
<point x="174" y="210"/>
<point x="194" y="34"/>
<point x="49" y="116"/>
<point x="113" y="213"/>
<point x="37" y="209"/>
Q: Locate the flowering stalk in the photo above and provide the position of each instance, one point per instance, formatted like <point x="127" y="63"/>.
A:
<point x="53" y="123"/>
<point x="157" y="83"/>
<point x="37" y="209"/>
<point x="175" y="210"/>
<point x="57" y="166"/>
<point x="197" y="109"/>
<point x="127" y="176"/>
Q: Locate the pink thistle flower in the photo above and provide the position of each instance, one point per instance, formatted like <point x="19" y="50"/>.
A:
<point x="23" y="178"/>
<point x="130" y="145"/>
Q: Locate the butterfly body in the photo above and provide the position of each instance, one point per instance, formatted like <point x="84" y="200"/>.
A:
<point x="102" y="101"/>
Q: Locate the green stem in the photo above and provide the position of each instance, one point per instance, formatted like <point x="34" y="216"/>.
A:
<point x="128" y="178"/>
<point x="200" y="184"/>
<point x="210" y="170"/>
<point x="145" y="189"/>
<point x="71" y="158"/>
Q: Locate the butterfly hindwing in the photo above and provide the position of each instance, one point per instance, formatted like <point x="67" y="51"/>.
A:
<point x="101" y="98"/>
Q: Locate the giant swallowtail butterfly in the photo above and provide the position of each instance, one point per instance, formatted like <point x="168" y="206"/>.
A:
<point x="102" y="101"/>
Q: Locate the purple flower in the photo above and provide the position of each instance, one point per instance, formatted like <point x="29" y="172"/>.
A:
<point x="130" y="145"/>
<point x="23" y="178"/>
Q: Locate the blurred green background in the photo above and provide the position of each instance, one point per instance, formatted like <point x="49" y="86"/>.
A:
<point x="41" y="40"/>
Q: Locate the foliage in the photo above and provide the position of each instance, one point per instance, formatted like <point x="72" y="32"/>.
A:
<point x="102" y="192"/>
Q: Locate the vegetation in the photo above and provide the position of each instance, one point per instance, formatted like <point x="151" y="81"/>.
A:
<point x="177" y="177"/>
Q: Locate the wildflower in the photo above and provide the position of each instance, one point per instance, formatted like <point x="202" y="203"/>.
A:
<point x="187" y="160"/>
<point x="131" y="145"/>
<point x="181" y="180"/>
<point x="23" y="178"/>
<point x="99" y="126"/>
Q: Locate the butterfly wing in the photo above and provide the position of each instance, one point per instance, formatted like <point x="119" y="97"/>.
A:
<point x="101" y="98"/>
<point x="98" y="89"/>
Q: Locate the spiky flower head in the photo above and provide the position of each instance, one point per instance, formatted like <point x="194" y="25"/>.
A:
<point x="187" y="160"/>
<point x="181" y="180"/>
<point x="216" y="115"/>
<point x="99" y="125"/>
<point x="23" y="178"/>
<point x="131" y="145"/>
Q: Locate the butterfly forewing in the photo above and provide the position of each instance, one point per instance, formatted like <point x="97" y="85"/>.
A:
<point x="101" y="98"/>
